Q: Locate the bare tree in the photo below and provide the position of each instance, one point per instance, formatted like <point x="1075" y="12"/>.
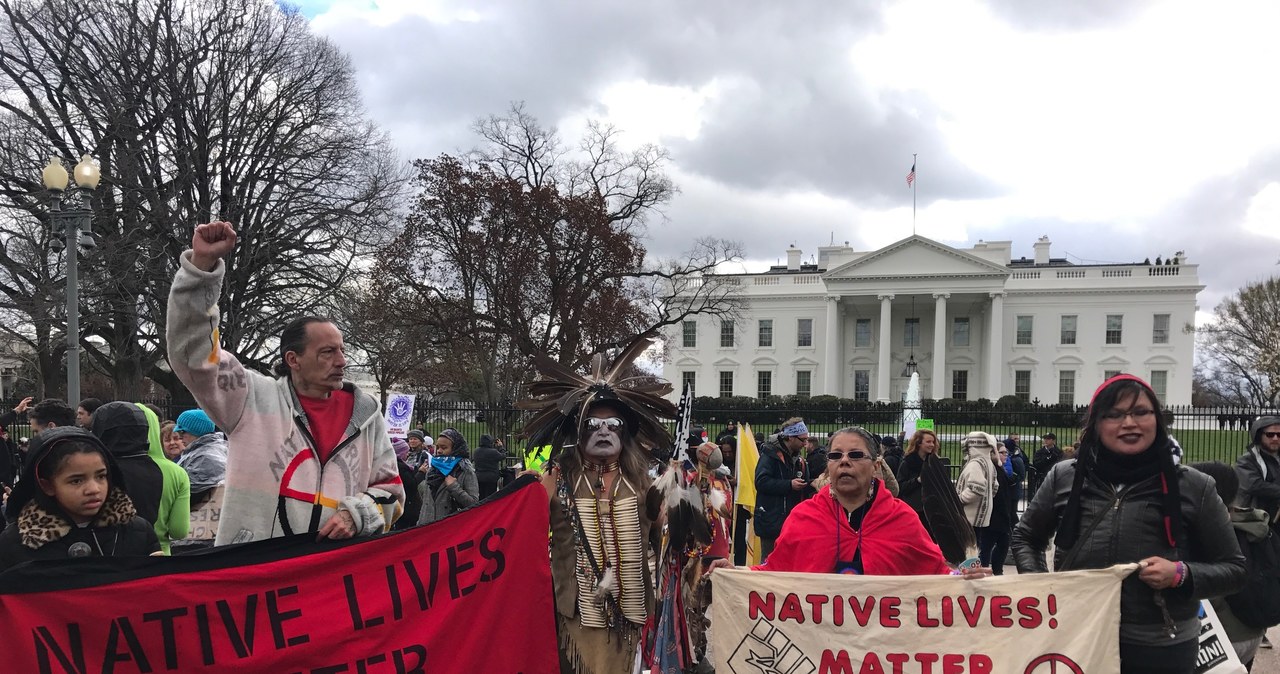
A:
<point x="1242" y="344"/>
<point x="525" y="246"/>
<point x="229" y="109"/>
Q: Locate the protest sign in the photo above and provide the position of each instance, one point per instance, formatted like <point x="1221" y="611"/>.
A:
<point x="205" y="516"/>
<point x="399" y="414"/>
<point x="796" y="623"/>
<point x="403" y="603"/>
<point x="924" y="424"/>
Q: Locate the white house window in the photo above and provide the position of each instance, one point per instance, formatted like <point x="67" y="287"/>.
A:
<point x="690" y="334"/>
<point x="804" y="332"/>
<point x="1115" y="328"/>
<point x="1160" y="329"/>
<point x="766" y="332"/>
<point x="726" y="384"/>
<point x="1067" y="334"/>
<point x="960" y="331"/>
<point x="911" y="332"/>
<point x="862" y="333"/>
<point x="960" y="384"/>
<point x="862" y="384"/>
<point x="1067" y="387"/>
<point x="1022" y="385"/>
<point x="1107" y="374"/>
<point x="689" y="379"/>
<point x="1023" y="336"/>
<point x="804" y="383"/>
<point x="764" y="384"/>
<point x="1160" y="384"/>
<point x="726" y="334"/>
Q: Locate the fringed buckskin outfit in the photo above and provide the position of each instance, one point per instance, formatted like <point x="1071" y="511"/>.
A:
<point x="600" y="514"/>
<point x="615" y="526"/>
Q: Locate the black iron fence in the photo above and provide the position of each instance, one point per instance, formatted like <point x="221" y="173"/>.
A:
<point x="1205" y="433"/>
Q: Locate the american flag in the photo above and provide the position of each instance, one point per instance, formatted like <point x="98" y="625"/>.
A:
<point x="911" y="177"/>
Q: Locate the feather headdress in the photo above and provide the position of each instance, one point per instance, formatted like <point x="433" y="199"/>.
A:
<point x="561" y="397"/>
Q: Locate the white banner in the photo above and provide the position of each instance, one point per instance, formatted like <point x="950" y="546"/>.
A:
<point x="1216" y="656"/>
<point x="399" y="414"/>
<point x="797" y="623"/>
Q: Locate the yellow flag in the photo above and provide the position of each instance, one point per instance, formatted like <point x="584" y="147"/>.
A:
<point x="748" y="457"/>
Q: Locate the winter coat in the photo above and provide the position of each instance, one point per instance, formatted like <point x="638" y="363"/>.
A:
<point x="1045" y="459"/>
<point x="977" y="485"/>
<point x="1253" y="532"/>
<point x="276" y="484"/>
<point x="1125" y="526"/>
<point x="488" y="462"/>
<point x="41" y="530"/>
<point x="205" y="461"/>
<point x="449" y="498"/>
<point x="893" y="459"/>
<point x="1259" y="472"/>
<point x="410" y="478"/>
<point x="1004" y="507"/>
<point x="774" y="496"/>
<point x="1019" y="463"/>
<point x="159" y="489"/>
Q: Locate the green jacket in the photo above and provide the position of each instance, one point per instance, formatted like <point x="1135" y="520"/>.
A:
<point x="174" y="519"/>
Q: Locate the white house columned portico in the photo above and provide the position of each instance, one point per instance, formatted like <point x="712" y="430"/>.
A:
<point x="1041" y="328"/>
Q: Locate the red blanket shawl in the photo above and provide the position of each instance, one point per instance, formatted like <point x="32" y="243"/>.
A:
<point x="894" y="543"/>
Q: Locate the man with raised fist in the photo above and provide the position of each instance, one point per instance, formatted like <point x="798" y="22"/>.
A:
<point x="307" y="450"/>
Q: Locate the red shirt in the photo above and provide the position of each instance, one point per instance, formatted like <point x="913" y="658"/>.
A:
<point x="328" y="418"/>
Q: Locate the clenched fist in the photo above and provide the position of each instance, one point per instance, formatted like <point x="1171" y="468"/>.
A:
<point x="210" y="243"/>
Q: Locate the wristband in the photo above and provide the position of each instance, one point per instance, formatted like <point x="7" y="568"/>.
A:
<point x="1180" y="576"/>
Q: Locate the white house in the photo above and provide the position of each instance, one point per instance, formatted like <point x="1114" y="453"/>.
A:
<point x="974" y="322"/>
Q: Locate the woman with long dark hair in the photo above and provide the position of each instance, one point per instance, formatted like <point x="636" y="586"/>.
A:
<point x="1125" y="499"/>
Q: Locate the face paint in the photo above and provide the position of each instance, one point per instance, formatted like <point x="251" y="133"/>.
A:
<point x="604" y="442"/>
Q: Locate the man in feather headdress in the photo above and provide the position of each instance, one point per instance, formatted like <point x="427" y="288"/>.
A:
<point x="601" y="505"/>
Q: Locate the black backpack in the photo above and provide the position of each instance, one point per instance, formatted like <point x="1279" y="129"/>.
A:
<point x="1257" y="604"/>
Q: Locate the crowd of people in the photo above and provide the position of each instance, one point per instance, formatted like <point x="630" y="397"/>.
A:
<point x="307" y="452"/>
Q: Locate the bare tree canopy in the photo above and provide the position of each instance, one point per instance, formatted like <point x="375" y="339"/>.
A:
<point x="525" y="246"/>
<point x="228" y="109"/>
<point x="1242" y="346"/>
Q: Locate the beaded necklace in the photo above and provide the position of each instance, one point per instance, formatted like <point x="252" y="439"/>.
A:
<point x="594" y="568"/>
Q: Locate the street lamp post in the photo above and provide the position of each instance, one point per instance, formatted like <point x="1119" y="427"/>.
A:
<point x="71" y="216"/>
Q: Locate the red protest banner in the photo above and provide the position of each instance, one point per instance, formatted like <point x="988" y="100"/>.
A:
<point x="424" y="600"/>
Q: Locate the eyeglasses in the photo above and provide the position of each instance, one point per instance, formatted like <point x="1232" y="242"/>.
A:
<point x="1271" y="434"/>
<point x="1139" y="414"/>
<point x="612" y="423"/>
<point x="852" y="455"/>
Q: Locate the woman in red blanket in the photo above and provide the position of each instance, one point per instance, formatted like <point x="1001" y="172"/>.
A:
<point x="854" y="525"/>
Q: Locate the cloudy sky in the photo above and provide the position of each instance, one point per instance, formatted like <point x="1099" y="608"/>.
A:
<point x="1123" y="129"/>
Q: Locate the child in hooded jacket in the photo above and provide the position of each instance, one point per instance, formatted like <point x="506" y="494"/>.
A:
<point x="71" y="502"/>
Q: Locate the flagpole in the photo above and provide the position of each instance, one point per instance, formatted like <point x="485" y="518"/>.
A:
<point x="913" y="195"/>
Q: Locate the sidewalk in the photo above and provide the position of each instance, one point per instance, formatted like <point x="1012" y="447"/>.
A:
<point x="1267" y="661"/>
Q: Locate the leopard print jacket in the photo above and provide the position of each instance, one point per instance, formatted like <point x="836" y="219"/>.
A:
<point x="37" y="526"/>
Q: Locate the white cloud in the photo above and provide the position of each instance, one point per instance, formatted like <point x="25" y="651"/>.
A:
<point x="1263" y="216"/>
<point x="1121" y="130"/>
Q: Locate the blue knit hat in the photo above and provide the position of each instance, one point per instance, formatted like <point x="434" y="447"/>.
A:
<point x="195" y="422"/>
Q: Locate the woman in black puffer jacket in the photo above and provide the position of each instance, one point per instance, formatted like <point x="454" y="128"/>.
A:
<point x="1125" y="500"/>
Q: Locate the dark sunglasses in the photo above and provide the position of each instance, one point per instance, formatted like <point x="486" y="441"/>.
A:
<point x="612" y="423"/>
<point x="1271" y="434"/>
<point x="853" y="455"/>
